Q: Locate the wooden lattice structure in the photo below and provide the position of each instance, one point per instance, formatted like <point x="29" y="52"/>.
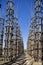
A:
<point x="35" y="40"/>
<point x="13" y="39"/>
<point x="1" y="32"/>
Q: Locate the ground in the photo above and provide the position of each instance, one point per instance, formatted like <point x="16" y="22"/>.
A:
<point x="24" y="59"/>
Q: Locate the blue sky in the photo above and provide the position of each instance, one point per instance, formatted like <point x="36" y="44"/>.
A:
<point x="24" y="11"/>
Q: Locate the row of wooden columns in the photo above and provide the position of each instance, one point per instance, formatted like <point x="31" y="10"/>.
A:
<point x="13" y="43"/>
<point x="35" y="39"/>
